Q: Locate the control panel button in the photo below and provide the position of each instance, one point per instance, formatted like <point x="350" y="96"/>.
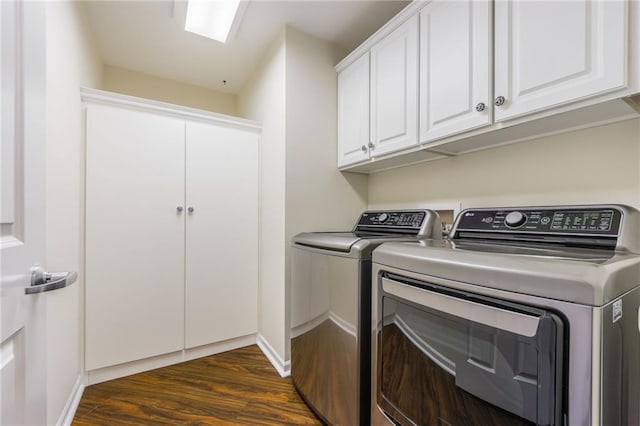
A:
<point x="383" y="217"/>
<point x="515" y="219"/>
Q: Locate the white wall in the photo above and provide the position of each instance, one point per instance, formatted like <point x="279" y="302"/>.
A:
<point x="598" y="165"/>
<point x="133" y="83"/>
<point x="263" y="99"/>
<point x="318" y="196"/>
<point x="293" y="94"/>
<point x="72" y="62"/>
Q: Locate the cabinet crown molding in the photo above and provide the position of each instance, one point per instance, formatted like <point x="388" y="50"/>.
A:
<point x="89" y="95"/>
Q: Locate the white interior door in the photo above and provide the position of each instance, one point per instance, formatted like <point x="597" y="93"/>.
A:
<point x="22" y="316"/>
<point x="222" y="234"/>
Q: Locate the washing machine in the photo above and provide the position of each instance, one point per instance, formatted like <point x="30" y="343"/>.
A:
<point x="330" y="313"/>
<point x="525" y="315"/>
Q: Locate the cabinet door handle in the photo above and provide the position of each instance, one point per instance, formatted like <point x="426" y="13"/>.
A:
<point x="179" y="209"/>
<point x="500" y="100"/>
<point x="363" y="148"/>
<point x="371" y="145"/>
<point x="190" y="209"/>
<point x="480" y="107"/>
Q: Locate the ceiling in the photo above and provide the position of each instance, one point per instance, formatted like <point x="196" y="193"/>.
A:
<point x="149" y="36"/>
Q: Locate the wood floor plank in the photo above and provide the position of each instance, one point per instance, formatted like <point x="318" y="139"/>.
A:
<point x="239" y="387"/>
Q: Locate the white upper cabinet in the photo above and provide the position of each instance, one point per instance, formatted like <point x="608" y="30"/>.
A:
<point x="549" y="53"/>
<point x="450" y="77"/>
<point x="394" y="90"/>
<point x="455" y="55"/>
<point x="353" y="112"/>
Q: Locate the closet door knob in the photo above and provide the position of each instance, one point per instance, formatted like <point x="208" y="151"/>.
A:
<point x="190" y="209"/>
<point x="363" y="148"/>
<point x="179" y="209"/>
<point x="480" y="107"/>
<point x="500" y="100"/>
<point x="371" y="145"/>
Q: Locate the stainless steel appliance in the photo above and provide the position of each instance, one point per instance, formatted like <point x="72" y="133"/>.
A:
<point x="524" y="316"/>
<point x="331" y="310"/>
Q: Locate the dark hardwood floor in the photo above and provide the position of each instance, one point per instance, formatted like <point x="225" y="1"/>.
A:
<point x="239" y="387"/>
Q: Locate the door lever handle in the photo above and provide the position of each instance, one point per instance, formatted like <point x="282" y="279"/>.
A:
<point x="42" y="281"/>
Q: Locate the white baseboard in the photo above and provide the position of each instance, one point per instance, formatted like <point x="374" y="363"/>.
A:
<point x="283" y="368"/>
<point x="69" y="410"/>
<point x="134" y="367"/>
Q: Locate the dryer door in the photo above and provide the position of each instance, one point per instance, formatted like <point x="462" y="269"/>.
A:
<point x="450" y="357"/>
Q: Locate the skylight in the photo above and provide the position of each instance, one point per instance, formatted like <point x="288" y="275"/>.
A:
<point x="214" y="19"/>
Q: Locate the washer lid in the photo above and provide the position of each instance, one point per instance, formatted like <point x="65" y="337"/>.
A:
<point x="590" y="277"/>
<point x="337" y="241"/>
<point x="340" y="241"/>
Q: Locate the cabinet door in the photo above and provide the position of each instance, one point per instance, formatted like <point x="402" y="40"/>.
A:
<point x="454" y="68"/>
<point x="394" y="90"/>
<point x="222" y="234"/>
<point x="353" y="112"/>
<point x="134" y="236"/>
<point x="549" y="53"/>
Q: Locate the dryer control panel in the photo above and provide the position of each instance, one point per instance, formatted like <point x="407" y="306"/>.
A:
<point x="580" y="220"/>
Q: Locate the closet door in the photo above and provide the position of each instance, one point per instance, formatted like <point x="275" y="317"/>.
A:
<point x="222" y="234"/>
<point x="134" y="236"/>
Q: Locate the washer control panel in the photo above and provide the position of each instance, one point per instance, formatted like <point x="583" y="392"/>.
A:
<point x="392" y="219"/>
<point x="547" y="220"/>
